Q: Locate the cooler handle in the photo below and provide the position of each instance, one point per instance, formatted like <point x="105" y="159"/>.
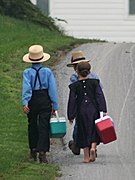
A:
<point x="57" y="115"/>
<point x="101" y="114"/>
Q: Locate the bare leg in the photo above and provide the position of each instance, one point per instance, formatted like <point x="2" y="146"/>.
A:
<point x="86" y="155"/>
<point x="93" y="151"/>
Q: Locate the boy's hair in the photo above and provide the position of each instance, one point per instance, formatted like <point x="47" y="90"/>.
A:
<point x="83" y="68"/>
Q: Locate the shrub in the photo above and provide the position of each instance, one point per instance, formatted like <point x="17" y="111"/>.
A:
<point x="24" y="9"/>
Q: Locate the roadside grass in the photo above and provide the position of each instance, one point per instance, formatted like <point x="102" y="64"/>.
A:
<point x="15" y="38"/>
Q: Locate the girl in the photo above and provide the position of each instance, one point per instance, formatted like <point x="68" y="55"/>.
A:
<point x="86" y="100"/>
<point x="78" y="56"/>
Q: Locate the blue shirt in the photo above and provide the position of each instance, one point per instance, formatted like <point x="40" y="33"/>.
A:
<point x="47" y="81"/>
<point x="74" y="77"/>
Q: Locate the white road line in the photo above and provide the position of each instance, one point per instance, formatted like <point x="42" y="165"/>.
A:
<point x="122" y="111"/>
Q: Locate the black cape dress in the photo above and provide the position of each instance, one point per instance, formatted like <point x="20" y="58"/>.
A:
<point x="86" y="100"/>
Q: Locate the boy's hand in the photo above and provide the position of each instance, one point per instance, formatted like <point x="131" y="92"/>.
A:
<point x="53" y="113"/>
<point x="26" y="109"/>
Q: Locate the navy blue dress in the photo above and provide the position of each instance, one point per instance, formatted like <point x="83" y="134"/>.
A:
<point x="86" y="100"/>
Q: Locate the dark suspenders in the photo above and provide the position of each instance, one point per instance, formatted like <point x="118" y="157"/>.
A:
<point x="37" y="77"/>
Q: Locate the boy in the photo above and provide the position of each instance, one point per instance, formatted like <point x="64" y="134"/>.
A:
<point x="39" y="99"/>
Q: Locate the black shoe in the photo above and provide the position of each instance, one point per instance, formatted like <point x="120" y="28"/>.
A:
<point x="42" y="158"/>
<point x="33" y="154"/>
<point x="75" y="150"/>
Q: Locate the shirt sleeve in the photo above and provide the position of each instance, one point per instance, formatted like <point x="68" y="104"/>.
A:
<point x="26" y="88"/>
<point x="52" y="90"/>
<point x="93" y="75"/>
<point x="73" y="78"/>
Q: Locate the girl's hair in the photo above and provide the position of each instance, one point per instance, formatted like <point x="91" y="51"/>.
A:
<point x="83" y="68"/>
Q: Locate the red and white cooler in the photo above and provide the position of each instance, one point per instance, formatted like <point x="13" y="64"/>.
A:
<point x="105" y="128"/>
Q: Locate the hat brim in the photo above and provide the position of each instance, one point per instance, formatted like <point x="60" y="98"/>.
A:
<point x="46" y="57"/>
<point x="76" y="62"/>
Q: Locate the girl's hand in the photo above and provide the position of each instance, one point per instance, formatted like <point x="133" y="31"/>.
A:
<point x="71" y="122"/>
<point x="104" y="114"/>
<point x="26" y="109"/>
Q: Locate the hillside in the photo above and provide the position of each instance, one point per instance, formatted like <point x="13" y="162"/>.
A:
<point x="15" y="38"/>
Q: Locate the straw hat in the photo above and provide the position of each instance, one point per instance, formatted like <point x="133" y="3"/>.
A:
<point x="36" y="55"/>
<point x="76" y="58"/>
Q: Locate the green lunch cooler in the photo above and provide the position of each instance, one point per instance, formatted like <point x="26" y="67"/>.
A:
<point x="57" y="126"/>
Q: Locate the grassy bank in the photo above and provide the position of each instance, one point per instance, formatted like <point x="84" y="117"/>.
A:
<point x="15" y="38"/>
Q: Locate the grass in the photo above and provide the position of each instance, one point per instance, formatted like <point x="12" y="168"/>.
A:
<point x="15" y="38"/>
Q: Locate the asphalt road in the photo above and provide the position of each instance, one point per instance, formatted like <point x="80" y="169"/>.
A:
<point x="115" y="65"/>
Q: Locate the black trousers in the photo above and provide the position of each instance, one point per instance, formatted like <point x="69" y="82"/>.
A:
<point x="38" y="121"/>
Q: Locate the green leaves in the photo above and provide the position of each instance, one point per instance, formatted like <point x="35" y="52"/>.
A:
<point x="24" y="9"/>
